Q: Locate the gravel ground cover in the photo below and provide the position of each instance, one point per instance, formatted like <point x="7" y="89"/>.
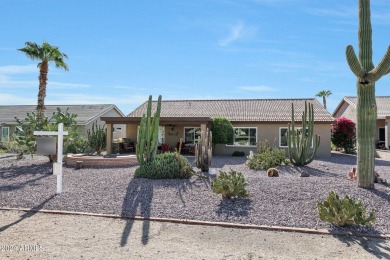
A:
<point x="288" y="200"/>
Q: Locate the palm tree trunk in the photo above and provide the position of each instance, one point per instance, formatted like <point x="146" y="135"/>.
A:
<point x="324" y="101"/>
<point x="44" y="68"/>
<point x="365" y="132"/>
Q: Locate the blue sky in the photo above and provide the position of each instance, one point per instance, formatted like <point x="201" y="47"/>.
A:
<point x="120" y="52"/>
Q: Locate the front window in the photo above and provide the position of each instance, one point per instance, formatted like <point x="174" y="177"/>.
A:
<point x="191" y="135"/>
<point x="245" y="136"/>
<point x="283" y="135"/>
<point x="5" y="134"/>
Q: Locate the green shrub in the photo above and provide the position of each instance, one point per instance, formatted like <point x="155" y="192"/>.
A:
<point x="230" y="185"/>
<point x="97" y="137"/>
<point x="165" y="166"/>
<point x="266" y="157"/>
<point x="346" y="211"/>
<point x="238" y="153"/>
<point x="13" y="146"/>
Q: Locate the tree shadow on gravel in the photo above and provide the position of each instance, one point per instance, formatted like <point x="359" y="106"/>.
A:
<point x="322" y="173"/>
<point x="34" y="169"/>
<point x="234" y="208"/>
<point x="28" y="214"/>
<point x="20" y="185"/>
<point x="139" y="196"/>
<point x="138" y="199"/>
<point x="374" y="246"/>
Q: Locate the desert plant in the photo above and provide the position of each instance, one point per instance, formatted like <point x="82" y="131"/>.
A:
<point x="238" y="153"/>
<point x="204" y="151"/>
<point x="222" y="131"/>
<point x="266" y="157"/>
<point x="44" y="54"/>
<point x="300" y="140"/>
<point x="273" y="172"/>
<point x="24" y="133"/>
<point x="97" y="137"/>
<point x="230" y="185"/>
<point x="147" y="139"/>
<point x="367" y="74"/>
<point x="324" y="94"/>
<point x="165" y="166"/>
<point x="346" y="211"/>
<point x="344" y="134"/>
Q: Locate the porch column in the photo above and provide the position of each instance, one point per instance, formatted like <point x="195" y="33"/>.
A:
<point x="387" y="137"/>
<point x="109" y="138"/>
<point x="203" y="128"/>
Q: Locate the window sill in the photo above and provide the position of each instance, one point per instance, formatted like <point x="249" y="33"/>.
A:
<point x="232" y="145"/>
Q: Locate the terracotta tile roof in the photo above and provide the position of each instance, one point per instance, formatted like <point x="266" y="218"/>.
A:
<point x="382" y="103"/>
<point x="238" y="110"/>
<point x="85" y="113"/>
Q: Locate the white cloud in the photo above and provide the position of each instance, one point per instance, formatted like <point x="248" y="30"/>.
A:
<point x="237" y="32"/>
<point x="257" y="88"/>
<point x="17" y="69"/>
<point x="11" y="99"/>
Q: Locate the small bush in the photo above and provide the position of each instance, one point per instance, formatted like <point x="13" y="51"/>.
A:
<point x="165" y="166"/>
<point x="238" y="153"/>
<point x="344" y="135"/>
<point x="230" y="185"/>
<point x="266" y="157"/>
<point x="12" y="146"/>
<point x="346" y="211"/>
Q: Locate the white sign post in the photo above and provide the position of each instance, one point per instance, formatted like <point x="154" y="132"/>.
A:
<point x="57" y="167"/>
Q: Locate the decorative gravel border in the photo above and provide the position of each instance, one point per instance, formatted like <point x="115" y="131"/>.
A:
<point x="208" y="223"/>
<point x="285" y="201"/>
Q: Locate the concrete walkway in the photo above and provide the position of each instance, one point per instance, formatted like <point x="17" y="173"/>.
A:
<point x="48" y="236"/>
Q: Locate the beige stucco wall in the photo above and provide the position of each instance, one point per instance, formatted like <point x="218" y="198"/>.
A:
<point x="270" y="131"/>
<point x="346" y="111"/>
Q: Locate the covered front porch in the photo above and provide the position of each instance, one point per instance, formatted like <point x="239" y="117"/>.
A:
<point x="171" y="130"/>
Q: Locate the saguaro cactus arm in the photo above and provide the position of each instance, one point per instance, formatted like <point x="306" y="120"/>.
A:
<point x="354" y="63"/>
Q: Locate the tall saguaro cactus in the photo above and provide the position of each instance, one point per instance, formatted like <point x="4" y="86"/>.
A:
<point x="300" y="141"/>
<point x="367" y="74"/>
<point x="148" y="134"/>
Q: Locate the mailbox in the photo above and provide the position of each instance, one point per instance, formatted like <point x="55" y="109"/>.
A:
<point x="46" y="145"/>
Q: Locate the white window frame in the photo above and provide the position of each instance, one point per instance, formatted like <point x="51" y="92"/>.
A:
<point x="296" y="128"/>
<point x="280" y="136"/>
<point x="243" y="127"/>
<point x="184" y="134"/>
<point x="2" y="137"/>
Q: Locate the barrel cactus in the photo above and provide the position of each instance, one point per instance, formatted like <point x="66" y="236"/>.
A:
<point x="367" y="74"/>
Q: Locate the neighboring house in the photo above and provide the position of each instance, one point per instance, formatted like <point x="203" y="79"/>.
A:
<point x="253" y="120"/>
<point x="86" y="116"/>
<point x="347" y="108"/>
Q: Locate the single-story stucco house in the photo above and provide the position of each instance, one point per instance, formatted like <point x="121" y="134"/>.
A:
<point x="347" y="109"/>
<point x="253" y="120"/>
<point x="86" y="116"/>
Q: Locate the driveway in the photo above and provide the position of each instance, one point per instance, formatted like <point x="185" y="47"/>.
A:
<point x="50" y="236"/>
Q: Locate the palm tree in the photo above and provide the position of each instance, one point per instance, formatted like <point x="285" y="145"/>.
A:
<point x="44" y="54"/>
<point x="324" y="94"/>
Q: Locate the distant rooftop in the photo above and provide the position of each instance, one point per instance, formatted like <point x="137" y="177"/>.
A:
<point x="85" y="113"/>
<point x="382" y="103"/>
<point x="238" y="110"/>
